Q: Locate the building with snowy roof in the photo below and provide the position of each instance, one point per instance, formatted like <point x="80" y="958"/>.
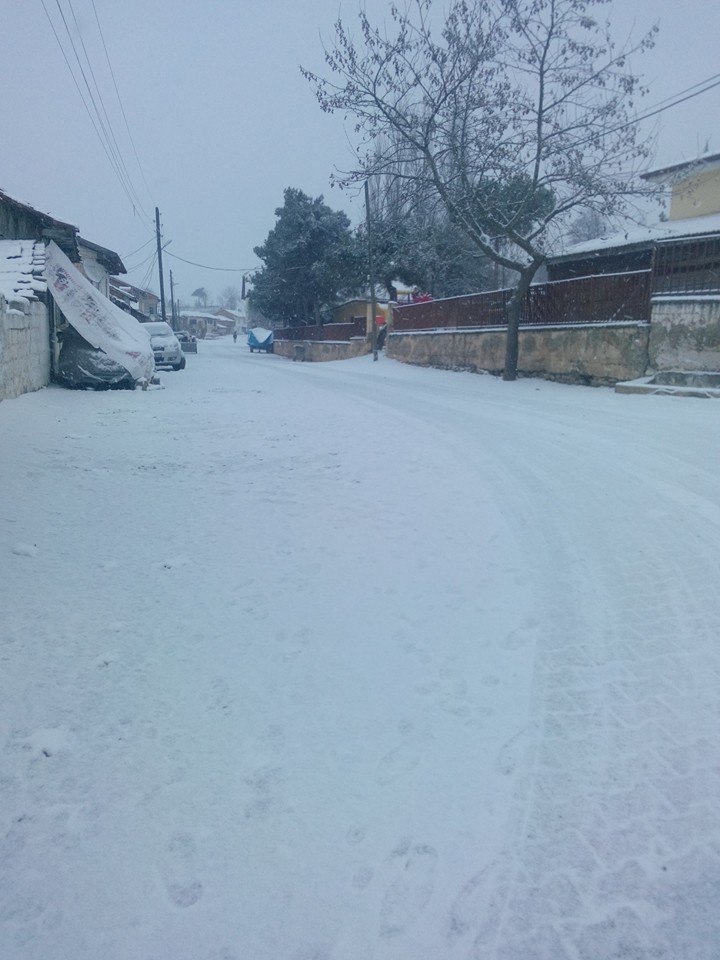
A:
<point x="694" y="186"/>
<point x="140" y="303"/>
<point x="682" y="251"/>
<point x="31" y="324"/>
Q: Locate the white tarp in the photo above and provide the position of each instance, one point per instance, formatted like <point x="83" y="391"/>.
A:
<point x="96" y="319"/>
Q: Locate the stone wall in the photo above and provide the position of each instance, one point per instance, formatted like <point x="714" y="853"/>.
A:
<point x="594" y="354"/>
<point x="685" y="334"/>
<point x="24" y="347"/>
<point x="315" y="350"/>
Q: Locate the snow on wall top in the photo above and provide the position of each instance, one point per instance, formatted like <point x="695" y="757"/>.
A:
<point x="22" y="263"/>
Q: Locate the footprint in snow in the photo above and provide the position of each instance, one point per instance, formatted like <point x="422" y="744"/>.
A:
<point x="478" y="907"/>
<point x="25" y="550"/>
<point x="355" y="835"/>
<point x="407" y="896"/>
<point x="403" y="758"/>
<point x="178" y="870"/>
<point x="522" y="635"/>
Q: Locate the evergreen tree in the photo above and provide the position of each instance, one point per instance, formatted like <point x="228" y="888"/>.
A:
<point x="311" y="259"/>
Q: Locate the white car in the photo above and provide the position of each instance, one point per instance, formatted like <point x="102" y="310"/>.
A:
<point x="166" y="346"/>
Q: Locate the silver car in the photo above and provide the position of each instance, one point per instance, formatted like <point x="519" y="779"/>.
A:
<point x="166" y="346"/>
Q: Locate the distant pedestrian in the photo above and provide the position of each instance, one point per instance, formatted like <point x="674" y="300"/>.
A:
<point x="234" y="336"/>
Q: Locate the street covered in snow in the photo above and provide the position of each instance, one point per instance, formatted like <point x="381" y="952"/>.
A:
<point x="358" y="661"/>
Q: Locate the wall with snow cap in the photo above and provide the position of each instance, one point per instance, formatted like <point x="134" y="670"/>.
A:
<point x="595" y="354"/>
<point x="685" y="333"/>
<point x="24" y="346"/>
<point x="320" y="350"/>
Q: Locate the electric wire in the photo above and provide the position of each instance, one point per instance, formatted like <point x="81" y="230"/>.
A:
<point x="676" y="102"/>
<point x="111" y="131"/>
<point x="95" y="120"/>
<point x="700" y="83"/>
<point x="119" y="99"/>
<point x="142" y="246"/>
<point x="204" y="266"/>
<point x="148" y="272"/>
<point x="682" y="96"/>
<point x="142" y="262"/>
<point x="117" y="166"/>
<point x="82" y="97"/>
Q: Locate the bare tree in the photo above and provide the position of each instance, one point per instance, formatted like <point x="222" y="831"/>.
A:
<point x="516" y="113"/>
<point x="230" y="297"/>
<point x="587" y="225"/>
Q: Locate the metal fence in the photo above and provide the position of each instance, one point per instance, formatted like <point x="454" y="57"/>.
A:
<point x="692" y="266"/>
<point x="680" y="268"/>
<point x="622" y="297"/>
<point x="326" y="331"/>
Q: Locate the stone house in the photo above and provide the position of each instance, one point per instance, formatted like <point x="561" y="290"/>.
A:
<point x="29" y="318"/>
<point x="25" y="351"/>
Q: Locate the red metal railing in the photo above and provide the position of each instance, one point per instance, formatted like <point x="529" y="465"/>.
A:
<point x="601" y="299"/>
<point x="328" y="331"/>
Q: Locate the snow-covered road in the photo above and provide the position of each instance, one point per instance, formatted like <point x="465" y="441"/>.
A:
<point x="357" y="661"/>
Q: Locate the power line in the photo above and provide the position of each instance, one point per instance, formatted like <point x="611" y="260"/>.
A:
<point x="149" y="272"/>
<point x="103" y="128"/>
<point x="79" y="90"/>
<point x="701" y="83"/>
<point x="119" y="99"/>
<point x="676" y="103"/>
<point x="112" y="138"/>
<point x="205" y="267"/>
<point x="128" y="255"/>
<point x="140" y="263"/>
<point x="108" y="139"/>
<point x="672" y="101"/>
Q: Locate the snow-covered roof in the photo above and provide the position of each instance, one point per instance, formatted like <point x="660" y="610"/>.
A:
<point x="22" y="263"/>
<point x="692" y="164"/>
<point x="34" y="212"/>
<point x="644" y="236"/>
<point x="108" y="258"/>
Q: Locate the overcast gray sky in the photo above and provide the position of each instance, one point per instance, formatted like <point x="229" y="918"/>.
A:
<point x="222" y="121"/>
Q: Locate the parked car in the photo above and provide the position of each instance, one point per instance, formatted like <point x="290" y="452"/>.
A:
<point x="166" y="346"/>
<point x="187" y="341"/>
<point x="82" y="367"/>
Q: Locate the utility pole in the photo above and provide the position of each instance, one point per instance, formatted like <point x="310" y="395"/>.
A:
<point x="371" y="273"/>
<point x="172" y="303"/>
<point x="160" y="266"/>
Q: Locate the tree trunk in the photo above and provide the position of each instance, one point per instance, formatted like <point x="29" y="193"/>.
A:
<point x="512" y="337"/>
<point x="514" y="313"/>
